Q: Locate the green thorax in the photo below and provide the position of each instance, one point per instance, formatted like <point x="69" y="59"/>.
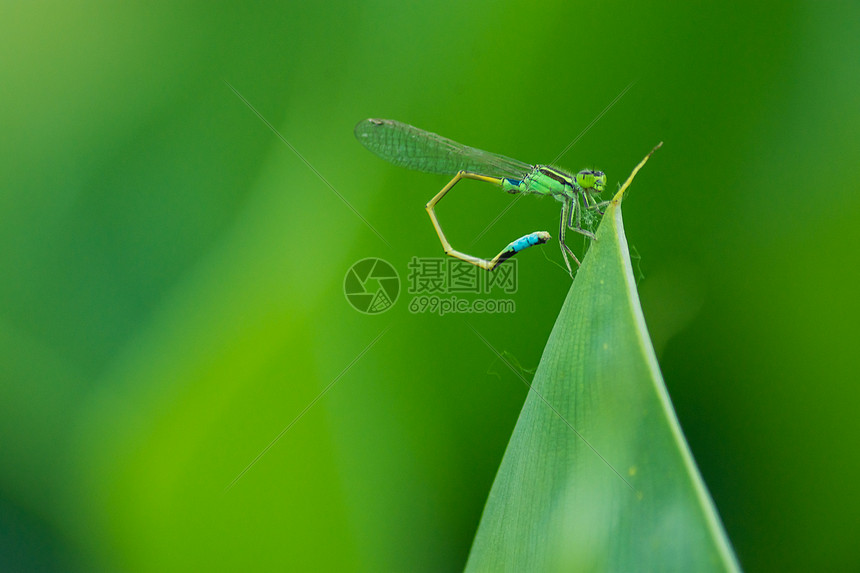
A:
<point x="552" y="181"/>
<point x="543" y="180"/>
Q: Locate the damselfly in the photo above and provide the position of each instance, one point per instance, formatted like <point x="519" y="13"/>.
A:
<point x="414" y="148"/>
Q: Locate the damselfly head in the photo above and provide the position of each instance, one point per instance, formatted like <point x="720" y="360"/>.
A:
<point x="590" y="180"/>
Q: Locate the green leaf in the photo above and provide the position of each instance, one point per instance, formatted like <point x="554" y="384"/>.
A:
<point x="597" y="475"/>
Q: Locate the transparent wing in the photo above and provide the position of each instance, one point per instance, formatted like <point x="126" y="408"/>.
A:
<point x="420" y="150"/>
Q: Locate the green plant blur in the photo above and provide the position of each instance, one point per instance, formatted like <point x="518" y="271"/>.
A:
<point x="171" y="273"/>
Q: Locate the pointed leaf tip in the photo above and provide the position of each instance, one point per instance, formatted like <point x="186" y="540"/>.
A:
<point x="620" y="195"/>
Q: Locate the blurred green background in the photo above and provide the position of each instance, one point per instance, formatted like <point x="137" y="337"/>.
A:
<point x="171" y="272"/>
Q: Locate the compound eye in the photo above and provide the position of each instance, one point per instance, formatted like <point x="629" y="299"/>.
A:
<point x="591" y="180"/>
